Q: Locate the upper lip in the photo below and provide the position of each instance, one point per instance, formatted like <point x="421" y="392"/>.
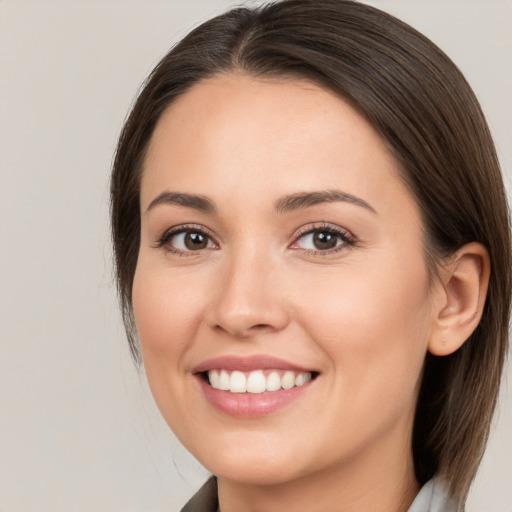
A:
<point x="247" y="364"/>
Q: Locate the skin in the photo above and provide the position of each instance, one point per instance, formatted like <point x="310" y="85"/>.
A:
<point x="361" y="316"/>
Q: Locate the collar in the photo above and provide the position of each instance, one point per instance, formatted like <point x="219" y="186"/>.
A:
<point x="433" y="497"/>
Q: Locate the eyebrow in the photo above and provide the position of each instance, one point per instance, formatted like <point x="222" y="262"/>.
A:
<point x="298" y="201"/>
<point x="303" y="200"/>
<point x="197" y="202"/>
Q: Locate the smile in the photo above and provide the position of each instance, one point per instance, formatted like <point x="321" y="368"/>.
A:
<point x="256" y="382"/>
<point x="253" y="387"/>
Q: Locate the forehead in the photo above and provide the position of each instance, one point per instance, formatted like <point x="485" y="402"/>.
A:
<point x="251" y="137"/>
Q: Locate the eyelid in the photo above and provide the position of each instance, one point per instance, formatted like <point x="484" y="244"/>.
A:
<point x="180" y="228"/>
<point x="348" y="238"/>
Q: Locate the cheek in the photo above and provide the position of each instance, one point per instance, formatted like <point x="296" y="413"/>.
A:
<point x="374" y="325"/>
<point x="359" y="299"/>
<point x="166" y="314"/>
<point x="165" y="311"/>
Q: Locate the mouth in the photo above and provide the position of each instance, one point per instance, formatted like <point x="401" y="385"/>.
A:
<point x="252" y="387"/>
<point x="256" y="381"/>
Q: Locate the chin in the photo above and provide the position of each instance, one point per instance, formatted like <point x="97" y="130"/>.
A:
<point x="252" y="463"/>
<point x="244" y="472"/>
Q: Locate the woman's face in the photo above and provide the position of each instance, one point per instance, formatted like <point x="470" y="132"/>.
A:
<point x="280" y="248"/>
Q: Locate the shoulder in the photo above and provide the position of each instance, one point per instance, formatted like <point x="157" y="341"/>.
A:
<point x="433" y="497"/>
<point x="205" y="500"/>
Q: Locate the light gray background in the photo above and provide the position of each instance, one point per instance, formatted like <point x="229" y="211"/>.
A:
<point x="78" y="428"/>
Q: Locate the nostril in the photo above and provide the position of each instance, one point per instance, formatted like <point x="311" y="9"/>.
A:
<point x="241" y="330"/>
<point x="243" y="322"/>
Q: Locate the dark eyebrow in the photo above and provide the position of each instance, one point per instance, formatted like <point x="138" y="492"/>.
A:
<point x="197" y="202"/>
<point x="306" y="199"/>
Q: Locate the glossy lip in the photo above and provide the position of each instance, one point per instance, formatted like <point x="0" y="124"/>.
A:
<point x="248" y="364"/>
<point x="248" y="405"/>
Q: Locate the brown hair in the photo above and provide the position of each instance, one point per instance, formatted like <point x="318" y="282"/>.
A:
<point x="424" y="109"/>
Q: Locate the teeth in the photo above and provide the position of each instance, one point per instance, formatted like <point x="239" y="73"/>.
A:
<point x="273" y="382"/>
<point x="288" y="380"/>
<point x="223" y="380"/>
<point x="302" y="378"/>
<point x="256" y="382"/>
<point x="237" y="383"/>
<point x="214" y="379"/>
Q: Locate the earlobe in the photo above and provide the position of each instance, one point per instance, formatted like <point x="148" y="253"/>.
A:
<point x="464" y="282"/>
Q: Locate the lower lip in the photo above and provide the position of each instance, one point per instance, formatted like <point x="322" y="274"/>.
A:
<point x="251" y="405"/>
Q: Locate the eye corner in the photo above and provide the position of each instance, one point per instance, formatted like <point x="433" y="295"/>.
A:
<point x="324" y="239"/>
<point x="186" y="240"/>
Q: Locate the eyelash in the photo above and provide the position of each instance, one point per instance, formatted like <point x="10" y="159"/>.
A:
<point x="347" y="239"/>
<point x="185" y="228"/>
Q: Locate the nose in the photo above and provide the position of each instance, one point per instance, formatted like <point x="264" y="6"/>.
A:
<point x="250" y="297"/>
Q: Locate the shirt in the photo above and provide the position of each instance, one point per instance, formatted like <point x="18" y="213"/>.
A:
<point x="431" y="498"/>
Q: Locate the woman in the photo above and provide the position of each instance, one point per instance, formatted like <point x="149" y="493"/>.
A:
<point x="313" y="258"/>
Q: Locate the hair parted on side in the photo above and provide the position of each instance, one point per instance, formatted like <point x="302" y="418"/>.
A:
<point x="425" y="111"/>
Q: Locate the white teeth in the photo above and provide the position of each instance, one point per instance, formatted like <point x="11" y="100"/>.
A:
<point x="288" y="380"/>
<point x="214" y="379"/>
<point x="255" y="382"/>
<point x="237" y="383"/>
<point x="273" y="382"/>
<point x="223" y="380"/>
<point x="302" y="378"/>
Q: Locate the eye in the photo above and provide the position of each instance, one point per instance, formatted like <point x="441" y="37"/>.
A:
<point x="186" y="240"/>
<point x="323" y="239"/>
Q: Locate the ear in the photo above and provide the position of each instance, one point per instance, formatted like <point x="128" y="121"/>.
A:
<point x="464" y="280"/>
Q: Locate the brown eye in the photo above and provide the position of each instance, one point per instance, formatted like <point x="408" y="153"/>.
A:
<point x="195" y="241"/>
<point x="187" y="240"/>
<point x="323" y="240"/>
